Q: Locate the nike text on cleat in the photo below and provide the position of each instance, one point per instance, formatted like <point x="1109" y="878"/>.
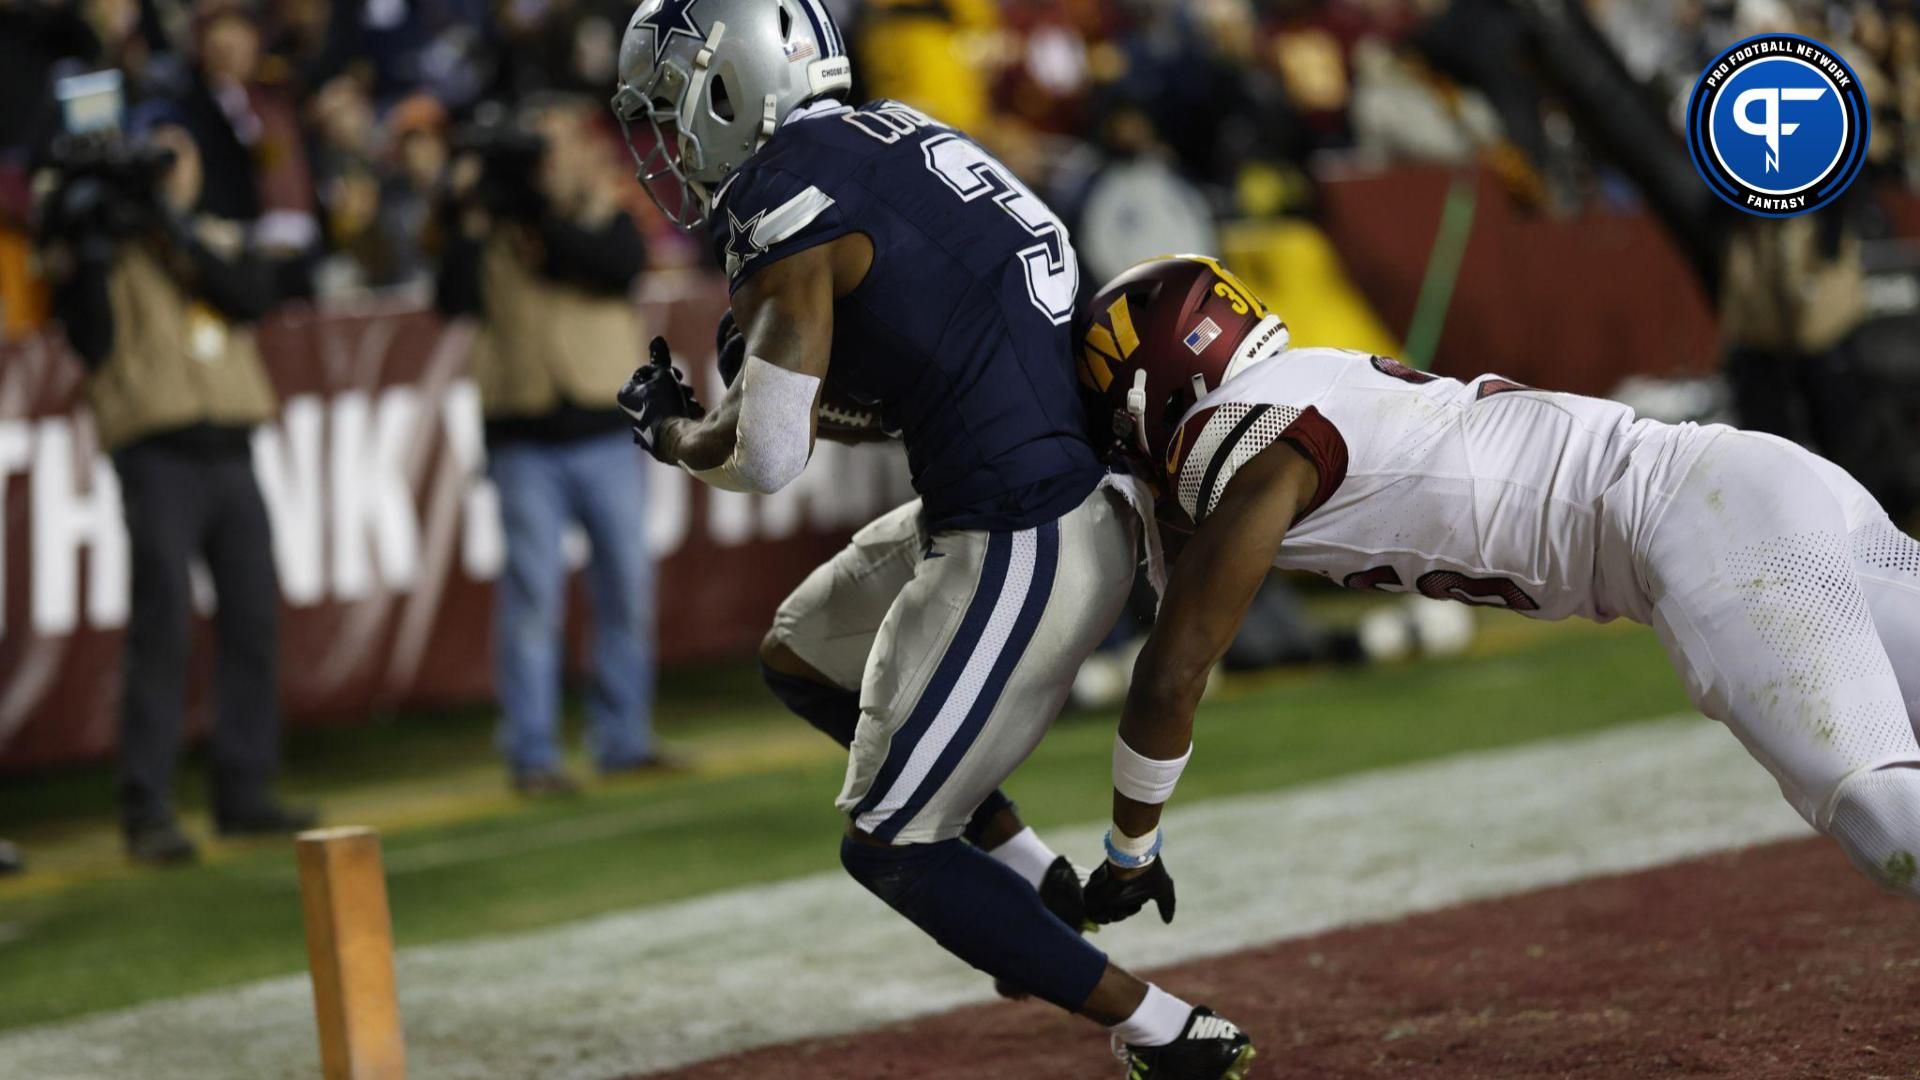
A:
<point x="1211" y="1048"/>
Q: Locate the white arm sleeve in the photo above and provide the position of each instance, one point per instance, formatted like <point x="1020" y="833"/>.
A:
<point x="774" y="437"/>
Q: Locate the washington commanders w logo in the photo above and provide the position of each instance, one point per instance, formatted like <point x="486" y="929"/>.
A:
<point x="1107" y="347"/>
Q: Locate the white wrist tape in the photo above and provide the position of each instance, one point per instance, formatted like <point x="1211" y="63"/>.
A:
<point x="1133" y="851"/>
<point x="1143" y="779"/>
<point x="774" y="437"/>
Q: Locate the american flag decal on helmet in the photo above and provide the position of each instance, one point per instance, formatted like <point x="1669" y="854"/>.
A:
<point x="1202" y="336"/>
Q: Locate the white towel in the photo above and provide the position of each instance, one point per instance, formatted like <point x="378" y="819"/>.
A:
<point x="1140" y="497"/>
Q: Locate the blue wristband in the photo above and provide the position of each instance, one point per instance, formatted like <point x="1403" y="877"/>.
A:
<point x="1134" y="862"/>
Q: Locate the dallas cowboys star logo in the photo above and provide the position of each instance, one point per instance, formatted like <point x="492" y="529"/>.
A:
<point x="670" y="18"/>
<point x="740" y="246"/>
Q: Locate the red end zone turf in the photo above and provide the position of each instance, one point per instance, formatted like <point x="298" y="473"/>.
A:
<point x="1772" y="963"/>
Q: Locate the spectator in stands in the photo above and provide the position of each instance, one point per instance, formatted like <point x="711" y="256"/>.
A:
<point x="249" y="130"/>
<point x="416" y="159"/>
<point x="309" y="37"/>
<point x="1402" y="112"/>
<point x="158" y="303"/>
<point x="567" y="46"/>
<point x="1189" y="67"/>
<point x="346" y="182"/>
<point x="1129" y="201"/>
<point x="127" y="36"/>
<point x="538" y="250"/>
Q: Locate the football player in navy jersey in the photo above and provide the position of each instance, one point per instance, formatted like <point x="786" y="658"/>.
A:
<point x="880" y="260"/>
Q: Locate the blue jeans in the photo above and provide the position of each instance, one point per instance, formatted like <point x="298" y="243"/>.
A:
<point x="599" y="482"/>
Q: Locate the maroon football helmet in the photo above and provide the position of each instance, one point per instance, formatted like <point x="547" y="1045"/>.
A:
<point x="1161" y="336"/>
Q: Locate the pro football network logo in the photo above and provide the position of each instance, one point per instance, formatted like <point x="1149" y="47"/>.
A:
<point x="1778" y="125"/>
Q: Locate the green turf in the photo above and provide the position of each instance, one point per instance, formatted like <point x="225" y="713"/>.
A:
<point x="121" y="939"/>
<point x="392" y="746"/>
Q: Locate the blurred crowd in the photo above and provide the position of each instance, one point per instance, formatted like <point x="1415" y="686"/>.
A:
<point x="1249" y="99"/>
<point x="327" y="128"/>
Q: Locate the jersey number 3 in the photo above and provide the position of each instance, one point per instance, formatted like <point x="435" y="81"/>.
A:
<point x="1053" y="274"/>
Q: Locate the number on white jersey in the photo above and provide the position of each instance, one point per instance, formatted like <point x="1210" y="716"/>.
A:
<point x="1447" y="585"/>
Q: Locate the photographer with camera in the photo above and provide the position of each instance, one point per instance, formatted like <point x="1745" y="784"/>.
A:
<point x="537" y="249"/>
<point x="158" y="303"/>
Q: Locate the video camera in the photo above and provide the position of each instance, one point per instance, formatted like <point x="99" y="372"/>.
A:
<point x="105" y="188"/>
<point x="509" y="156"/>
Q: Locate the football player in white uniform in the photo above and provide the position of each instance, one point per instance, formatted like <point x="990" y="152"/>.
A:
<point x="1788" y="601"/>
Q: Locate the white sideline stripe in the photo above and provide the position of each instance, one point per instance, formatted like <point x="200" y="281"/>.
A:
<point x="663" y="986"/>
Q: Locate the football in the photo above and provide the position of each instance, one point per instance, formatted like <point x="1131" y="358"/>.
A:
<point x="839" y="413"/>
<point x="842" y="413"/>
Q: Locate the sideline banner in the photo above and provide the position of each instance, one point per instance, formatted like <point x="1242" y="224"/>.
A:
<point x="386" y="529"/>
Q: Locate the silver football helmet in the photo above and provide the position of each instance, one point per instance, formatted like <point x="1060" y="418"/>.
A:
<point x="713" y="79"/>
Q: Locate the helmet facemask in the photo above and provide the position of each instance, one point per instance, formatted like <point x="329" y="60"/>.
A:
<point x="671" y="149"/>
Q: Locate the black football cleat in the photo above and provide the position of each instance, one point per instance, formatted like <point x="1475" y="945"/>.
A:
<point x="1060" y="891"/>
<point x="1211" y="1048"/>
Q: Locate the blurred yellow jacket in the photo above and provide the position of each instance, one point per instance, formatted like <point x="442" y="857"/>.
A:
<point x="23" y="295"/>
<point x="923" y="52"/>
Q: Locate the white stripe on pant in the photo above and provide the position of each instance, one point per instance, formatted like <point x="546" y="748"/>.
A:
<point x="999" y="701"/>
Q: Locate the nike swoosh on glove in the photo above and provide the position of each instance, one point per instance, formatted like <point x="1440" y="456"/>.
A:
<point x="656" y="393"/>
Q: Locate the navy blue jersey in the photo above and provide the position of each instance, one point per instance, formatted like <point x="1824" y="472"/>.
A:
<point x="960" y="331"/>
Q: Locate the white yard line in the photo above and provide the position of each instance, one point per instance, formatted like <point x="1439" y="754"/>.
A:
<point x="662" y="986"/>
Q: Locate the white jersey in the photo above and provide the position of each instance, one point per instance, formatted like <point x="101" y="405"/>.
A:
<point x="1485" y="491"/>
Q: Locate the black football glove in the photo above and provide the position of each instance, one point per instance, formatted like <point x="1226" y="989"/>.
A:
<point x="655" y="394"/>
<point x="730" y="345"/>
<point x="1111" y="898"/>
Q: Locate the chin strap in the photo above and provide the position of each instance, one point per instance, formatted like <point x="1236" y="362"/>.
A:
<point x="1137" y="409"/>
<point x="696" y="85"/>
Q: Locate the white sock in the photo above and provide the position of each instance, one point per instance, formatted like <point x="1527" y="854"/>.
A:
<point x="1026" y="854"/>
<point x="1158" y="1021"/>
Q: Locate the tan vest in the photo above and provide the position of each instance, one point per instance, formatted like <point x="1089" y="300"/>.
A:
<point x="1780" y="292"/>
<point x="176" y="362"/>
<point x="541" y="341"/>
